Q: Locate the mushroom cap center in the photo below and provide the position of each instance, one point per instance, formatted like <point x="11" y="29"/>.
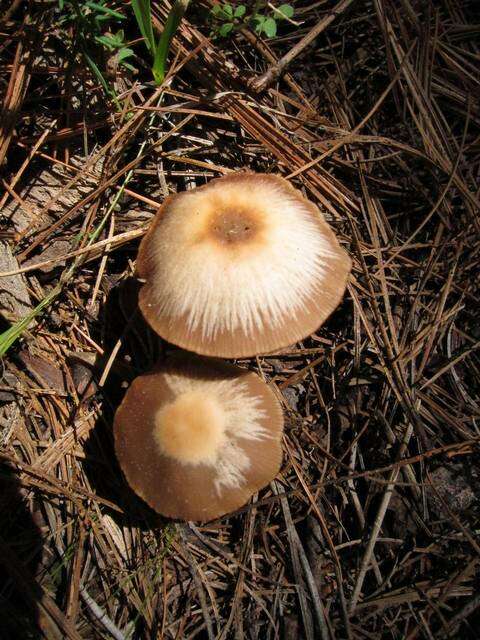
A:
<point x="191" y="428"/>
<point x="233" y="226"/>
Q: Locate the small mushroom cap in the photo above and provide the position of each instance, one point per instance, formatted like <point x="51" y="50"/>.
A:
<point x="240" y="266"/>
<point x="197" y="437"/>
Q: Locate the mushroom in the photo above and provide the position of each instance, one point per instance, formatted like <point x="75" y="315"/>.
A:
<point x="197" y="437"/>
<point x="240" y="266"/>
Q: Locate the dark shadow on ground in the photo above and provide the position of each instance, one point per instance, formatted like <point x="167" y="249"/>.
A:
<point x="140" y="349"/>
<point x="20" y="556"/>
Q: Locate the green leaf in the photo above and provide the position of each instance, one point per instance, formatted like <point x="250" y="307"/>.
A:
<point x="225" y="29"/>
<point x="11" y="335"/>
<point x="125" y="52"/>
<point x="107" y="41"/>
<point x="171" y="25"/>
<point x="102" y="18"/>
<point x="98" y="73"/>
<point x="142" y="11"/>
<point x="112" y="41"/>
<point x="122" y="55"/>
<point x="240" y="11"/>
<point x="127" y="65"/>
<point x="258" y="19"/>
<point x="223" y="12"/>
<point x="106" y="10"/>
<point x="269" y="27"/>
<point x="286" y="9"/>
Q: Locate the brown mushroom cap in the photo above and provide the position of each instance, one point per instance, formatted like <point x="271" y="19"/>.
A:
<point x="241" y="266"/>
<point x="197" y="437"/>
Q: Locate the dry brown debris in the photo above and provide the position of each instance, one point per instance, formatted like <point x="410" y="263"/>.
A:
<point x="361" y="535"/>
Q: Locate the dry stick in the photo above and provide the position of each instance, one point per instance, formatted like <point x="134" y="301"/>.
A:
<point x="436" y="323"/>
<point x="241" y="587"/>
<point x="237" y="597"/>
<point x="129" y="126"/>
<point x="193" y="567"/>
<point x="350" y="137"/>
<point x="447" y="590"/>
<point x="22" y="203"/>
<point x="292" y="538"/>
<point x="246" y="554"/>
<point x="55" y="486"/>
<point x="451" y="179"/>
<point x="378" y="523"/>
<point x="262" y="47"/>
<point x="69" y="167"/>
<point x="120" y="238"/>
<point x="442" y="154"/>
<point x="72" y="600"/>
<point x="130" y="166"/>
<point x="16" y="90"/>
<point x="466" y="611"/>
<point x="100" y="615"/>
<point x="265" y="80"/>
<point x="360" y="513"/>
<point x="328" y="538"/>
<point x="103" y="263"/>
<point x="451" y="366"/>
<point x="406" y="469"/>
<point x="310" y="580"/>
<point x="417" y="593"/>
<point x="26" y="162"/>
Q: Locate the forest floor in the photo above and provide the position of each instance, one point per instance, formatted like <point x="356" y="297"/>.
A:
<point x="371" y="529"/>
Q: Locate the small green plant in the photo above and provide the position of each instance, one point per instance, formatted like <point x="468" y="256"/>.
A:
<point x="93" y="24"/>
<point x="158" y="50"/>
<point x="115" y="42"/>
<point x="262" y="18"/>
<point x="227" y="17"/>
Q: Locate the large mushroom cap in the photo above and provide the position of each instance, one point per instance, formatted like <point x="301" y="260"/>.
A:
<point x="241" y="266"/>
<point x="197" y="437"/>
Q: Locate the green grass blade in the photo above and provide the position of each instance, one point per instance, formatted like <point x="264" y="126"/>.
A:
<point x="142" y="11"/>
<point x="11" y="335"/>
<point x="98" y="74"/>
<point x="173" y="20"/>
<point x="105" y="10"/>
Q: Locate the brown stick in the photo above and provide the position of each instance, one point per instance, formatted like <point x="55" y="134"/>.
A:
<point x="265" y="80"/>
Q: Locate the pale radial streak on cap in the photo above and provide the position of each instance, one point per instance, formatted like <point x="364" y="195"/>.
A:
<point x="197" y="437"/>
<point x="243" y="418"/>
<point x="243" y="265"/>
